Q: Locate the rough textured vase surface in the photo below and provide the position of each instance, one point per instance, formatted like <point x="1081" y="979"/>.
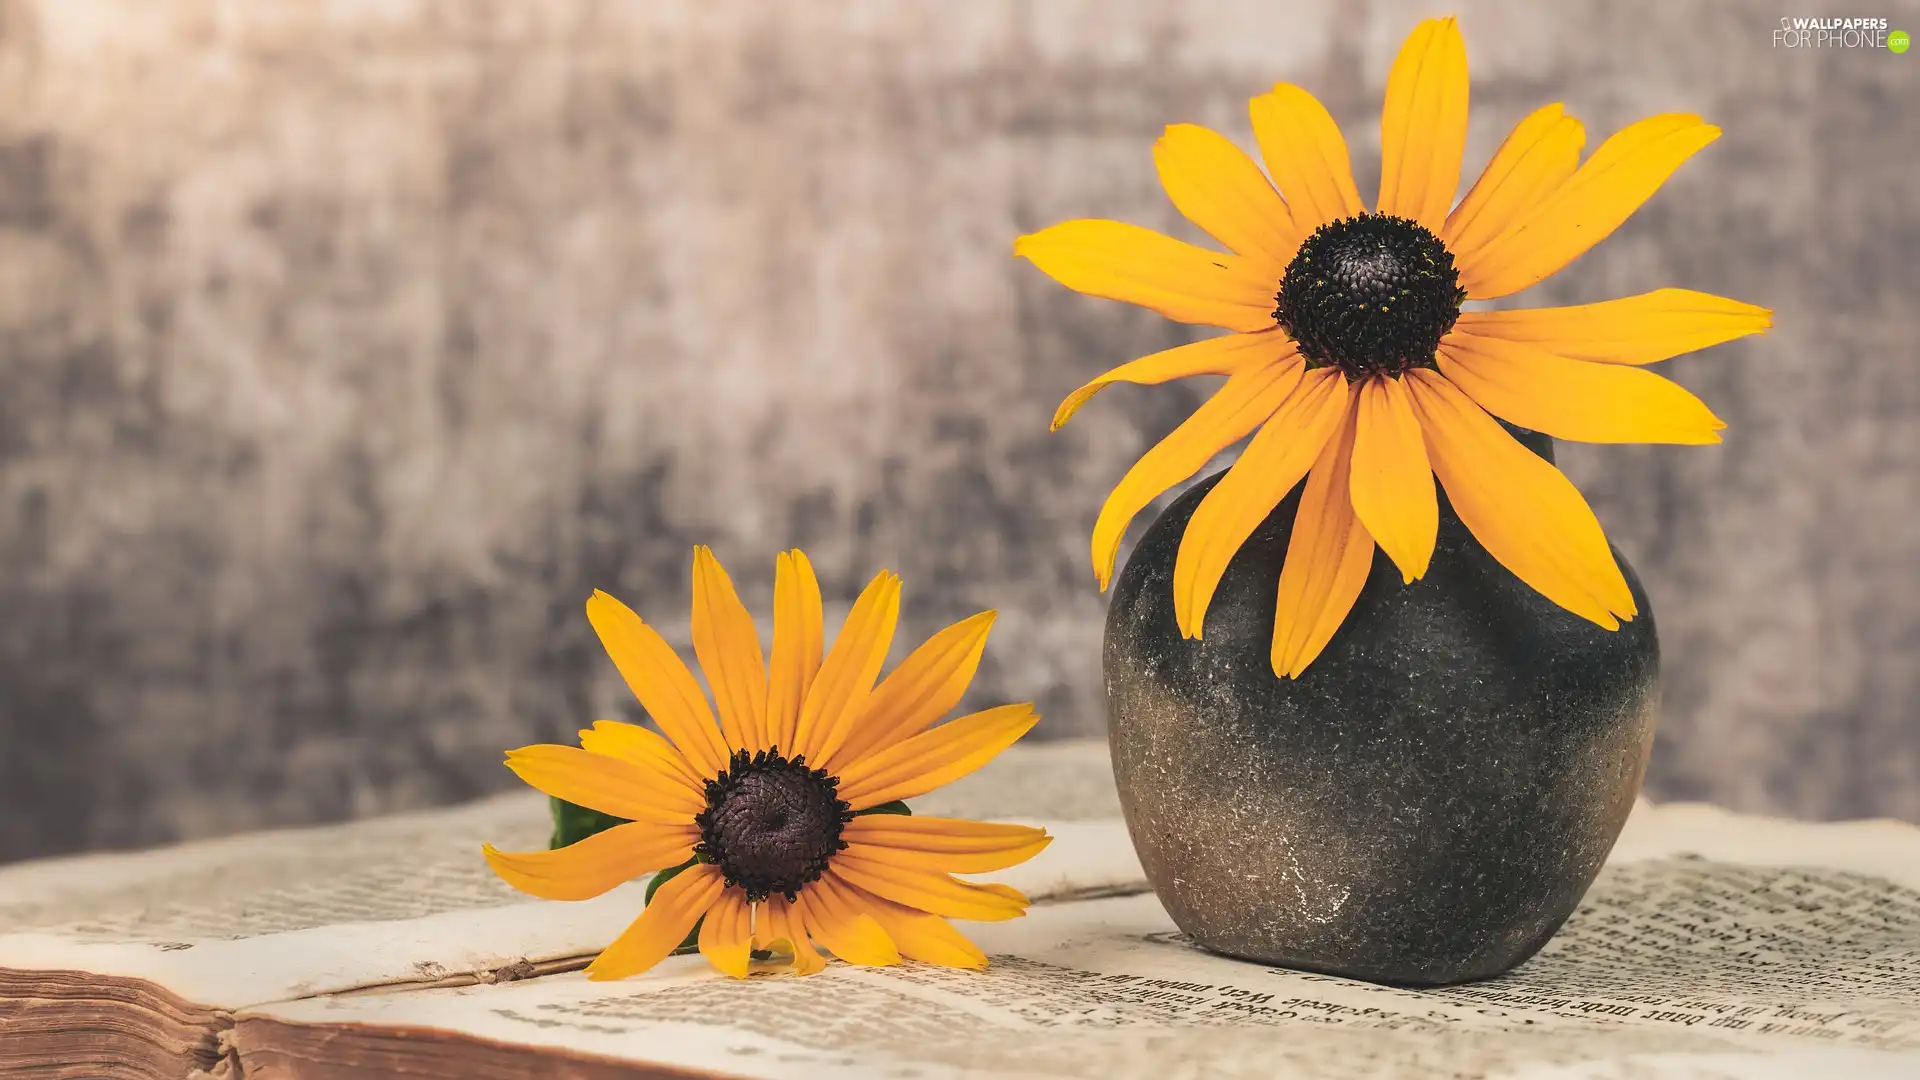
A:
<point x="1425" y="805"/>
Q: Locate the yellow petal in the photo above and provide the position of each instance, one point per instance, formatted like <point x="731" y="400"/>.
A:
<point x="1423" y="126"/>
<point x="1124" y="262"/>
<point x="846" y="678"/>
<point x="1391" y="483"/>
<point x="1219" y="188"/>
<point x="728" y="646"/>
<point x="767" y="934"/>
<point x="782" y="928"/>
<point x="635" y="744"/>
<point x="1574" y="399"/>
<point x="1244" y="403"/>
<point x="656" y="675"/>
<point x="596" y="864"/>
<point x="947" y="845"/>
<point x="1622" y="174"/>
<point x="1274" y="460"/>
<point x="1640" y="329"/>
<point x="925" y="687"/>
<point x="1542" y="151"/>
<point x="1227" y="354"/>
<point x="936" y="757"/>
<point x="1526" y="514"/>
<point x="726" y="936"/>
<point x="798" y="634"/>
<point x="662" y="926"/>
<point x="849" y="933"/>
<point x="602" y="783"/>
<point x="941" y="894"/>
<point x="1306" y="155"/>
<point x="929" y="939"/>
<point x="1329" y="555"/>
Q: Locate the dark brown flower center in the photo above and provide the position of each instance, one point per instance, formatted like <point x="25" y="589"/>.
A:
<point x="1370" y="295"/>
<point x="771" y="824"/>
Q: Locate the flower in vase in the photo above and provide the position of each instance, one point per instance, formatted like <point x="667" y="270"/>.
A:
<point x="1351" y="363"/>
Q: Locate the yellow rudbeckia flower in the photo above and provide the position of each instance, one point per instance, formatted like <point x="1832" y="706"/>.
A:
<point x="766" y="807"/>
<point x="1351" y="363"/>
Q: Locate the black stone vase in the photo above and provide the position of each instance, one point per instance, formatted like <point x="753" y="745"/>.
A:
<point x="1424" y="805"/>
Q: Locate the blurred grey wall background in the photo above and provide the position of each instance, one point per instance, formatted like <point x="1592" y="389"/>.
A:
<point x="346" y="345"/>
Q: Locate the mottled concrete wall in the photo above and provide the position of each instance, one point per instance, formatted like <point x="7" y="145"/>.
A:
<point x="346" y="344"/>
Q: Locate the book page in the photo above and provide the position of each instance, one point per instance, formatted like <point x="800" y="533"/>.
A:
<point x="409" y="865"/>
<point x="1883" y="848"/>
<point x="389" y="868"/>
<point x="291" y="913"/>
<point x="1682" y="967"/>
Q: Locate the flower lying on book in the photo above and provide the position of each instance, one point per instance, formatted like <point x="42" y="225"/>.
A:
<point x="1352" y="364"/>
<point x="783" y="823"/>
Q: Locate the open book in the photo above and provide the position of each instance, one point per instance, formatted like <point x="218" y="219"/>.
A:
<point x="1713" y="945"/>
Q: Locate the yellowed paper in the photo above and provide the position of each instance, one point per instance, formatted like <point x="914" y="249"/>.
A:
<point x="1676" y="967"/>
<point x="289" y="914"/>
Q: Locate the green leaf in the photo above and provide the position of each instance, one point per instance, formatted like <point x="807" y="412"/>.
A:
<point x="692" y="944"/>
<point x="665" y="876"/>
<point x="572" y="824"/>
<point x="897" y="806"/>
